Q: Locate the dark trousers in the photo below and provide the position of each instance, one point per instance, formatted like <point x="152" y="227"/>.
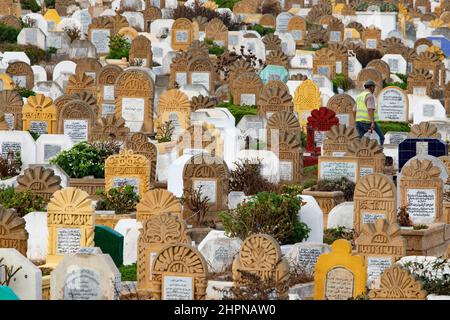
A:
<point x="363" y="127"/>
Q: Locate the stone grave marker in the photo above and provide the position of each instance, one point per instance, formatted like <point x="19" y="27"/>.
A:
<point x="267" y="21"/>
<point x="395" y="138"/>
<point x="297" y="27"/>
<point x="382" y="67"/>
<point x="215" y="30"/>
<point x="158" y="230"/>
<point x="339" y="275"/>
<point x="80" y="83"/>
<point x="369" y="74"/>
<point x="32" y="36"/>
<point x="127" y="168"/>
<point x="50" y="89"/>
<point x="76" y="119"/>
<point x="246" y="88"/>
<point x="420" y="82"/>
<point x="211" y="176"/>
<point x="11" y="105"/>
<point x="13" y="234"/>
<point x="201" y="72"/>
<point x="106" y="79"/>
<point x="200" y="138"/>
<point x="371" y="37"/>
<point x="140" y="144"/>
<point x="430" y="62"/>
<point x="335" y="30"/>
<point x="18" y="142"/>
<point x="88" y="66"/>
<point x="21" y="74"/>
<point x="85" y="276"/>
<point x="27" y="282"/>
<point x="337" y="167"/>
<point x="306" y="99"/>
<point x="70" y="220"/>
<point x="182" y="34"/>
<point x="393" y="105"/>
<point x="100" y="31"/>
<point x="398" y="284"/>
<point x="130" y="229"/>
<point x="268" y="264"/>
<point x="274" y="98"/>
<point x="305" y="255"/>
<point x="151" y="13"/>
<point x="396" y="62"/>
<point x="39" y="115"/>
<point x="141" y="51"/>
<point x="369" y="153"/>
<point x="343" y="105"/>
<point x="134" y="94"/>
<point x="337" y="140"/>
<point x="48" y="146"/>
<point x="40" y="181"/>
<point x="319" y="122"/>
<point x="109" y="127"/>
<point x="282" y="22"/>
<point x="174" y="106"/>
<point x="380" y="245"/>
<point x="179" y="273"/>
<point x="157" y="201"/>
<point x="421" y="188"/>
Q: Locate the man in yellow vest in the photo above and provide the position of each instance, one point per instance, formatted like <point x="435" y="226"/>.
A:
<point x="366" y="112"/>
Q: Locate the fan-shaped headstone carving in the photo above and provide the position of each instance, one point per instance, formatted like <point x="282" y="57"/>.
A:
<point x="40" y="181"/>
<point x="157" y="201"/>
<point x="12" y="231"/>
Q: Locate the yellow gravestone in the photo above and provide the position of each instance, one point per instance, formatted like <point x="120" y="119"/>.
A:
<point x="52" y="17"/>
<point x="39" y="115"/>
<point x="6" y="83"/>
<point x="306" y="99"/>
<point x="338" y="274"/>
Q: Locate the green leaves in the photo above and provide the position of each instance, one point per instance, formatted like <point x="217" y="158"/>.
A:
<point x="122" y="200"/>
<point x="24" y="202"/>
<point x="8" y="34"/>
<point x="119" y="47"/>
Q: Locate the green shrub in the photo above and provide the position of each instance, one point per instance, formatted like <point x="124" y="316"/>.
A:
<point x="262" y="30"/>
<point x="119" y="47"/>
<point x="332" y="234"/>
<point x="84" y="159"/>
<point x="30" y="5"/>
<point x="401" y="85"/>
<point x="49" y="4"/>
<point x="342" y="184"/>
<point x="239" y="111"/>
<point x="386" y="126"/>
<point x="267" y="213"/>
<point x="35" y="54"/>
<point x="8" y="34"/>
<point x="384" y="6"/>
<point x="129" y="273"/>
<point x="226" y="3"/>
<point x="24" y="92"/>
<point x="214" y="48"/>
<point x="23" y="202"/>
<point x="341" y="81"/>
<point x="122" y="200"/>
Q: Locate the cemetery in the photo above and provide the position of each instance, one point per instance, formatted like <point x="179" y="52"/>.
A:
<point x="224" y="150"/>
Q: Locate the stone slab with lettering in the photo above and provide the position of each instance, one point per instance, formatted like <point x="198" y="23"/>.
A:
<point x="60" y="41"/>
<point x="32" y="36"/>
<point x="396" y="62"/>
<point x="27" y="282"/>
<point x="305" y="255"/>
<point x="395" y="138"/>
<point x="341" y="216"/>
<point x="393" y="105"/>
<point x="50" y="89"/>
<point x="219" y="250"/>
<point x="129" y="228"/>
<point x="19" y="141"/>
<point x="334" y="168"/>
<point x="85" y="277"/>
<point x="50" y="145"/>
<point x="311" y="214"/>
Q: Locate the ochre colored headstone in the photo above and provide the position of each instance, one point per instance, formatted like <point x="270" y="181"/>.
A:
<point x="39" y="115"/>
<point x="157" y="201"/>
<point x="40" y="181"/>
<point x="306" y="99"/>
<point x="337" y="140"/>
<point x="12" y="231"/>
<point x="182" y="34"/>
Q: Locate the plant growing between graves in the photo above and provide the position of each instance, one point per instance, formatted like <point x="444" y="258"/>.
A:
<point x="403" y="217"/>
<point x="341" y="184"/>
<point x="165" y="131"/>
<point x="86" y="159"/>
<point x="246" y="177"/>
<point x="8" y="34"/>
<point x="49" y="4"/>
<point x="384" y="6"/>
<point x="122" y="200"/>
<point x="198" y="204"/>
<point x="119" y="47"/>
<point x="24" y="92"/>
<point x="239" y="111"/>
<point x="10" y="165"/>
<point x="30" y="5"/>
<point x="213" y="48"/>
<point x="434" y="275"/>
<point x="403" y="85"/>
<point x="332" y="234"/>
<point x="22" y="201"/>
<point x="35" y="54"/>
<point x="269" y="213"/>
<point x="386" y="126"/>
<point x="342" y="82"/>
<point x="129" y="273"/>
<point x="420" y="227"/>
<point x="73" y="33"/>
<point x="8" y="272"/>
<point x="262" y="30"/>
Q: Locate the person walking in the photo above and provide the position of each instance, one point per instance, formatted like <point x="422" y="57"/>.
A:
<point x="366" y="112"/>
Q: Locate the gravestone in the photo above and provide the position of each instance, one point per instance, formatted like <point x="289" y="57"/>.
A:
<point x="380" y="245"/>
<point x="80" y="83"/>
<point x="127" y="168"/>
<point x="369" y="74"/>
<point x="50" y="145"/>
<point x="76" y="119"/>
<point x="411" y="147"/>
<point x="13" y="234"/>
<point x="215" y="30"/>
<point x="371" y="37"/>
<point x="32" y="36"/>
<point x="139" y="143"/>
<point x="70" y="220"/>
<point x="268" y="265"/>
<point x="375" y="197"/>
<point x="179" y="273"/>
<point x="211" y="176"/>
<point x="246" y="88"/>
<point x="174" y="106"/>
<point x="324" y="63"/>
<point x="396" y="62"/>
<point x="319" y="122"/>
<point x="39" y="115"/>
<point x="100" y="31"/>
<point x="159" y="230"/>
<point x="110" y="242"/>
<point x="369" y="153"/>
<point x="337" y="139"/>
<point x="85" y="276"/>
<point x="88" y="66"/>
<point x="297" y="27"/>
<point x="201" y="72"/>
<point x="21" y="74"/>
<point x="339" y="275"/>
<point x="27" y="282"/>
<point x="421" y="189"/>
<point x="130" y="229"/>
<point x="18" y="142"/>
<point x="420" y="82"/>
<point x="109" y="127"/>
<point x="305" y="255"/>
<point x="274" y="97"/>
<point x="106" y="79"/>
<point x="343" y="105"/>
<point x="134" y="94"/>
<point x="40" y="181"/>
<point x="11" y="105"/>
<point x="306" y="99"/>
<point x="141" y="51"/>
<point x="182" y="34"/>
<point x="338" y="167"/>
<point x="157" y="201"/>
<point x="282" y="22"/>
<point x="393" y="105"/>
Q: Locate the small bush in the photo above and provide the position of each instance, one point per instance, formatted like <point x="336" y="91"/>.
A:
<point x="129" y="273"/>
<point x="195" y="203"/>
<point x="420" y="227"/>
<point x="239" y="111"/>
<point x="8" y="34"/>
<point x="85" y="159"/>
<point x="268" y="213"/>
<point x="247" y="177"/>
<point x="30" y="5"/>
<point x="35" y="54"/>
<point x="262" y="30"/>
<point x="214" y="48"/>
<point x="386" y="126"/>
<point x="119" y="47"/>
<point x="342" y="184"/>
<point x="24" y="92"/>
<point x="403" y="217"/>
<point x="433" y="274"/>
<point x="23" y="202"/>
<point x="165" y="131"/>
<point x="49" y="4"/>
<point x="341" y="81"/>
<point x="226" y="3"/>
<point x="10" y="165"/>
<point x="332" y="234"/>
<point x="122" y="200"/>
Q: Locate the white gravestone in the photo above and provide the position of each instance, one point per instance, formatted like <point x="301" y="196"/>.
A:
<point x="311" y="214"/>
<point x="130" y="229"/>
<point x="36" y="226"/>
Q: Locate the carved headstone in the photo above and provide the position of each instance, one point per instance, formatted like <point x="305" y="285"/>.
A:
<point x="337" y="140"/>
<point x="109" y="127"/>
<point x="12" y="231"/>
<point x="319" y="122"/>
<point x="40" y="181"/>
<point x="79" y="83"/>
<point x="306" y="99"/>
<point x="182" y="34"/>
<point x="174" y="106"/>
<point x="343" y="105"/>
<point x="274" y="97"/>
<point x="11" y="105"/>
<point x="157" y="201"/>
<point x="106" y="79"/>
<point x="76" y="119"/>
<point x="370" y="155"/>
<point x="141" y="50"/>
<point x="246" y="88"/>
<point x="39" y="115"/>
<point x="21" y="74"/>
